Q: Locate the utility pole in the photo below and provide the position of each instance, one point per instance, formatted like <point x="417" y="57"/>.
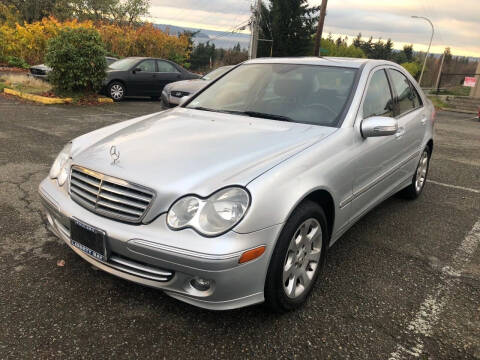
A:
<point x="255" y="30"/>
<point x="440" y="71"/>
<point x="321" y="21"/>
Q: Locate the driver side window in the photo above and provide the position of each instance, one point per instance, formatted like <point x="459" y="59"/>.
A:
<point x="147" y="66"/>
<point x="378" y="101"/>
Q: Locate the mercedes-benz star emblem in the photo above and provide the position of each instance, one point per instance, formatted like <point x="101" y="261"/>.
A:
<point x="114" y="154"/>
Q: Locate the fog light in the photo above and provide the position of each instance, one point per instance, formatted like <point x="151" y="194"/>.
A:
<point x="200" y="284"/>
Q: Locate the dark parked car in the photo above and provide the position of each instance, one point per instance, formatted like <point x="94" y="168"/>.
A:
<point x="41" y="71"/>
<point x="140" y="76"/>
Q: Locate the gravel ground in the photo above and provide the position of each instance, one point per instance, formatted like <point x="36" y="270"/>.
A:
<point x="403" y="282"/>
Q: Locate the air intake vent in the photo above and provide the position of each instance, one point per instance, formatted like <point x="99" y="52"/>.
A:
<point x="108" y="196"/>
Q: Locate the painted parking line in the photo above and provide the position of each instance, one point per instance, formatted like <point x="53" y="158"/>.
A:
<point x="429" y="313"/>
<point x="454" y="186"/>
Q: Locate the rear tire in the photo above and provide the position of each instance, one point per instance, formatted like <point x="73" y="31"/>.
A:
<point x="117" y="91"/>
<point x="415" y="189"/>
<point x="297" y="259"/>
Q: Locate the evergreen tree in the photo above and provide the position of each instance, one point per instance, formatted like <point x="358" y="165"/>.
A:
<point x="408" y="51"/>
<point x="290" y="24"/>
<point x="358" y="41"/>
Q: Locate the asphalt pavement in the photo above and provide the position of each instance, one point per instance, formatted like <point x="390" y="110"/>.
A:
<point x="403" y="283"/>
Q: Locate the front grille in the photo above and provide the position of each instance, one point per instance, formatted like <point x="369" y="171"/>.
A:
<point x="109" y="196"/>
<point x="38" y="72"/>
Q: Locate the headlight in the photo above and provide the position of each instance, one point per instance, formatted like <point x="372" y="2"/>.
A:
<point x="211" y="216"/>
<point x="59" y="168"/>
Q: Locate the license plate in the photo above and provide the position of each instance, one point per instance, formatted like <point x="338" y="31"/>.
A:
<point x="89" y="239"/>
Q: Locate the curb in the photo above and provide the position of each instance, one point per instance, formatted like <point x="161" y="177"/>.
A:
<point x="105" y="100"/>
<point x="37" y="98"/>
<point x="458" y="110"/>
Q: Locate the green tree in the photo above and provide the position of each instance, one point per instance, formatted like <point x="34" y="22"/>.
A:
<point x="77" y="57"/>
<point x="32" y="10"/>
<point x="201" y="56"/>
<point x="408" y="51"/>
<point x="119" y="11"/>
<point x="290" y="24"/>
<point x="340" y="49"/>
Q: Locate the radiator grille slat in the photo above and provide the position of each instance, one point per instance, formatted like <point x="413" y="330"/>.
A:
<point x="108" y="196"/>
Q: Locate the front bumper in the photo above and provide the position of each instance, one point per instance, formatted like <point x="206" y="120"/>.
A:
<point x="170" y="100"/>
<point x="148" y="251"/>
<point x="39" y="76"/>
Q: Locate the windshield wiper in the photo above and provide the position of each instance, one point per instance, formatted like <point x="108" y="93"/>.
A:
<point x="260" y="115"/>
<point x="248" y="113"/>
<point x="204" y="109"/>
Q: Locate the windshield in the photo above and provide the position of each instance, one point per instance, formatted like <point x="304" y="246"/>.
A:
<point x="212" y="75"/>
<point x="124" y="64"/>
<point x="300" y="93"/>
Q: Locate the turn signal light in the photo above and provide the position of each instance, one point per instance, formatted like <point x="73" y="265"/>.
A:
<point x="251" y="254"/>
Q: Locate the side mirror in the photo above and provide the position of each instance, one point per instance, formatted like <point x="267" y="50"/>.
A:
<point x="378" y="126"/>
<point x="137" y="70"/>
<point x="184" y="99"/>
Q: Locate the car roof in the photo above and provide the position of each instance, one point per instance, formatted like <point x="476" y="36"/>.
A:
<point x="325" y="61"/>
<point x="144" y="58"/>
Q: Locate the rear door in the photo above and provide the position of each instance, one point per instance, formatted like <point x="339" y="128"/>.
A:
<point x="143" y="79"/>
<point x="167" y="73"/>
<point x="412" y="118"/>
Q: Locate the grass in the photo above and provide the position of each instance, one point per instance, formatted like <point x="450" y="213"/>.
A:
<point x="437" y="102"/>
<point x="458" y="90"/>
<point x="25" y="84"/>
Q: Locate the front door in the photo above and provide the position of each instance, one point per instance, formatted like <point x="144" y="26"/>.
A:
<point x="376" y="159"/>
<point x="143" y="79"/>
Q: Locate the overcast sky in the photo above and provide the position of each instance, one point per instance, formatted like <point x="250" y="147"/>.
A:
<point x="457" y="23"/>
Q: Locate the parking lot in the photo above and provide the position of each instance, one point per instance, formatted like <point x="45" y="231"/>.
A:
<point x="403" y="282"/>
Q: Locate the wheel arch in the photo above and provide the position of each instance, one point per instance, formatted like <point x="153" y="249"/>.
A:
<point x="119" y="81"/>
<point x="430" y="146"/>
<point x="324" y="199"/>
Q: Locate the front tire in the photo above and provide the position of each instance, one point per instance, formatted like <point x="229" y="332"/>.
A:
<point x="297" y="259"/>
<point x="419" y="179"/>
<point x="117" y="91"/>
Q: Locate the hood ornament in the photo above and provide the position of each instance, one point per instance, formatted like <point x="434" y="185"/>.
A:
<point x="114" y="154"/>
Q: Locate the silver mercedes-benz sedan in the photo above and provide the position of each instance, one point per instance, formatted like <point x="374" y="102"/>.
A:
<point x="234" y="197"/>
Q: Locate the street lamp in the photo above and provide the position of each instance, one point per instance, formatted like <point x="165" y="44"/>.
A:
<point x="430" y="44"/>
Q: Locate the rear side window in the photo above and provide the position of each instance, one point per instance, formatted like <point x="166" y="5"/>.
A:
<point x="417" y="100"/>
<point x="407" y="100"/>
<point x="378" y="101"/>
<point x="166" y="67"/>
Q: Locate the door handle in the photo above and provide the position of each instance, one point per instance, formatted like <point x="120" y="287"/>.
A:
<point x="423" y="121"/>
<point x="400" y="132"/>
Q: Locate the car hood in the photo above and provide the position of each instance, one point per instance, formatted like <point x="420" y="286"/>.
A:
<point x="185" y="151"/>
<point x="190" y="86"/>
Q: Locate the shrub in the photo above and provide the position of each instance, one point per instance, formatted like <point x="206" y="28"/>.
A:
<point x="16" y="62"/>
<point x="412" y="67"/>
<point x="77" y="57"/>
<point x="29" y="41"/>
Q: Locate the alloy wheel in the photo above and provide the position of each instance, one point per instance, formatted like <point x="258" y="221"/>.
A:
<point x="421" y="175"/>
<point x="302" y="260"/>
<point x="116" y="91"/>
